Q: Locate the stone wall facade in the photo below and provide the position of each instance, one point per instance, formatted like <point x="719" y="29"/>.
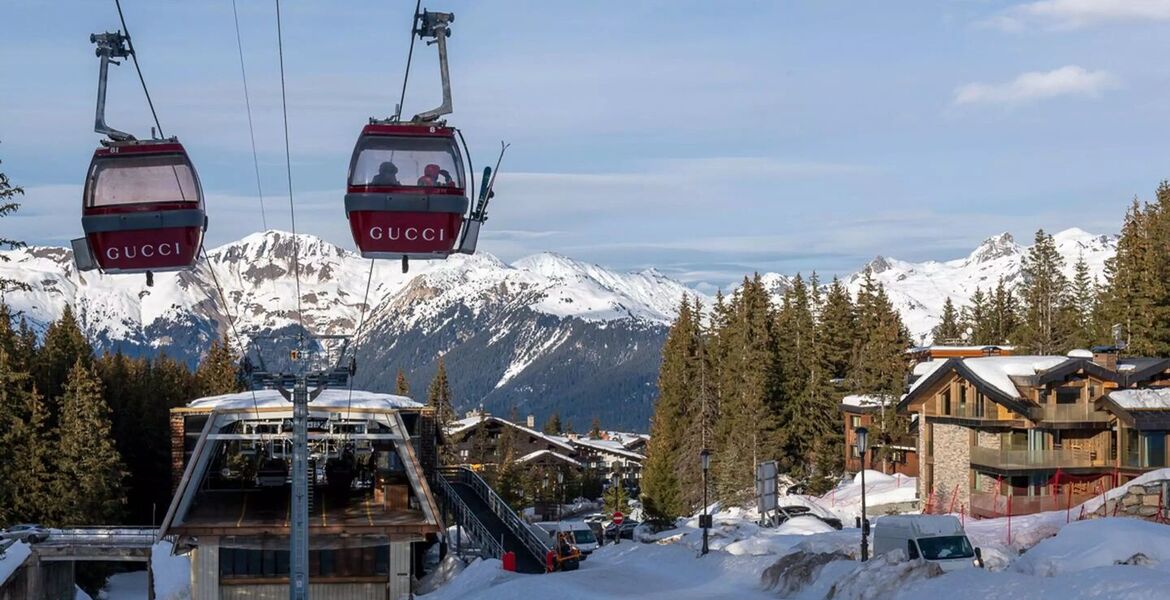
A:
<point x="1141" y="501"/>
<point x="952" y="464"/>
<point x="988" y="440"/>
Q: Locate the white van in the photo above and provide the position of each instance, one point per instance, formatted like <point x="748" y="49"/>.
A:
<point x="582" y="535"/>
<point x="936" y="538"/>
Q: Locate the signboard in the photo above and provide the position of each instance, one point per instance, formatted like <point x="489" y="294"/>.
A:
<point x="767" y="496"/>
<point x="618" y="517"/>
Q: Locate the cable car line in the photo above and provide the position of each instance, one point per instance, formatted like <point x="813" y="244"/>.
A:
<point x="361" y="323"/>
<point x="231" y="320"/>
<point x="288" y="169"/>
<point x="141" y="79"/>
<point x="251" y="128"/>
<point x="409" y="58"/>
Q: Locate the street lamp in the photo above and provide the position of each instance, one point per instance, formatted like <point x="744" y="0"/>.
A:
<point x="862" y="446"/>
<point x="705" y="520"/>
<point x="561" y="484"/>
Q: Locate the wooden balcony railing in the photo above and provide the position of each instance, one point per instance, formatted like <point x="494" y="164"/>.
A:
<point x="1035" y="459"/>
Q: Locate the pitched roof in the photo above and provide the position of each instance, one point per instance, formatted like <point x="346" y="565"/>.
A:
<point x="462" y="425"/>
<point x="540" y="453"/>
<point x="609" y="446"/>
<point x="1144" y="410"/>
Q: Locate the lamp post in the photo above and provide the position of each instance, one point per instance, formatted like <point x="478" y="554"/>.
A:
<point x="561" y="484"/>
<point x="705" y="520"/>
<point x="862" y="446"/>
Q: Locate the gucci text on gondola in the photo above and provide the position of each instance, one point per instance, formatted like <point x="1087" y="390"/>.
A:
<point x="144" y="250"/>
<point x="426" y="234"/>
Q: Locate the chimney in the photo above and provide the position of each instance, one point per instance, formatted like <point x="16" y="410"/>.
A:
<point x="1106" y="357"/>
<point x="531" y="421"/>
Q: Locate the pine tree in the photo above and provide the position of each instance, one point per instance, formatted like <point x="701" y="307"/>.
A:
<point x="401" y="386"/>
<point x="661" y="487"/>
<point x="27" y="471"/>
<point x="1084" y="295"/>
<point x="948" y="329"/>
<point x="553" y="425"/>
<point x="1047" y="324"/>
<point x="809" y="409"/>
<point x="219" y="372"/>
<point x="8" y="206"/>
<point x="977" y="323"/>
<point x="880" y="362"/>
<point x="616" y="499"/>
<point x="439" y="396"/>
<point x="90" y="470"/>
<point x="595" y="429"/>
<point x="509" y="476"/>
<point x="1004" y="317"/>
<point x="747" y="431"/>
<point x="838" y="327"/>
<point x="63" y="346"/>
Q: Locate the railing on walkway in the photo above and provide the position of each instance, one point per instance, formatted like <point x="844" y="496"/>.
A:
<point x="110" y="537"/>
<point x="488" y="545"/>
<point x="500" y="508"/>
<point x="1035" y="459"/>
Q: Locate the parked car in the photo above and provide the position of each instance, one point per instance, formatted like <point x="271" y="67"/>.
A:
<point x="787" y="512"/>
<point x="594" y="518"/>
<point x="625" y="530"/>
<point x="938" y="539"/>
<point x="27" y="532"/>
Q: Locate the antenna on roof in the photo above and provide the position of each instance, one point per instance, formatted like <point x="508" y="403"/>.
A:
<point x="1117" y="331"/>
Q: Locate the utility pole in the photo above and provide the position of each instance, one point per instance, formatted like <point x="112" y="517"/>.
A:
<point x="298" y="588"/>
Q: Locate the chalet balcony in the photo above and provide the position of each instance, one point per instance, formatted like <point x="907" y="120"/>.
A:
<point x="1035" y="459"/>
<point x="1069" y="413"/>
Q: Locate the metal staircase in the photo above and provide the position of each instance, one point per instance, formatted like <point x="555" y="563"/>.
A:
<point x="469" y="501"/>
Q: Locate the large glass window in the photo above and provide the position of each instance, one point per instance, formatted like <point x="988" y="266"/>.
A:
<point x="141" y="180"/>
<point x="1155" y="447"/>
<point x="241" y="563"/>
<point x="406" y="161"/>
<point x="1068" y="395"/>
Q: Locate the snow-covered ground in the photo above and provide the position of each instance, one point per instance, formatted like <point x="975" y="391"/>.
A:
<point x="1115" y="558"/>
<point x="880" y="489"/>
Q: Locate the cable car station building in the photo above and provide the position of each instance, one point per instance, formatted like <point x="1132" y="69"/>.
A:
<point x="371" y="511"/>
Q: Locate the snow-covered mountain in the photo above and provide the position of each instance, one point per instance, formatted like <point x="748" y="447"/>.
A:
<point x="546" y="332"/>
<point x="919" y="290"/>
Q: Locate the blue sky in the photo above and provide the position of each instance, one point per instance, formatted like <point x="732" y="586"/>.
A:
<point x="704" y="139"/>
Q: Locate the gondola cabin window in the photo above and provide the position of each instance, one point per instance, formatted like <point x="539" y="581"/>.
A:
<point x="141" y="180"/>
<point x="385" y="161"/>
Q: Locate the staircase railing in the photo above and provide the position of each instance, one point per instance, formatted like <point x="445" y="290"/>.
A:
<point x="488" y="545"/>
<point x="511" y="520"/>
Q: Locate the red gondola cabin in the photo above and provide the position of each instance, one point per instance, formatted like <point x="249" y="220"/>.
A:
<point x="143" y="207"/>
<point x="407" y="196"/>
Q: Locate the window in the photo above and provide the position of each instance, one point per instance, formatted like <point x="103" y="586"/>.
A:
<point x="1068" y="395"/>
<point x="963" y="399"/>
<point x="855" y="421"/>
<point x="944" y="547"/>
<point x="463" y="453"/>
<point x="403" y="161"/>
<point x="140" y="180"/>
<point x="1155" y="447"/>
<point x="853" y="451"/>
<point x="911" y="550"/>
<point x="980" y="409"/>
<point x="946" y="402"/>
<point x="241" y="563"/>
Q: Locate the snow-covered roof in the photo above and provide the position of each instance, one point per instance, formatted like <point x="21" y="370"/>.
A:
<point x="925" y="369"/>
<point x="1149" y="399"/>
<point x="867" y="400"/>
<point x="457" y="427"/>
<point x="540" y="453"/>
<point x="611" y="446"/>
<point x="959" y="348"/>
<point x="330" y="398"/>
<point x="10" y="560"/>
<point x="997" y="371"/>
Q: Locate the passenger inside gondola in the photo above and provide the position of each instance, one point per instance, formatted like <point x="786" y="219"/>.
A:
<point x="387" y="175"/>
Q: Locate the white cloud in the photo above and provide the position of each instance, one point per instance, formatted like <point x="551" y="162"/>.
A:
<point x="1034" y="86"/>
<point x="1074" y="14"/>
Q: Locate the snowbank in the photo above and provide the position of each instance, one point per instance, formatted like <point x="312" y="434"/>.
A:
<point x="1096" y="543"/>
<point x="880" y="489"/>
<point x="172" y="574"/>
